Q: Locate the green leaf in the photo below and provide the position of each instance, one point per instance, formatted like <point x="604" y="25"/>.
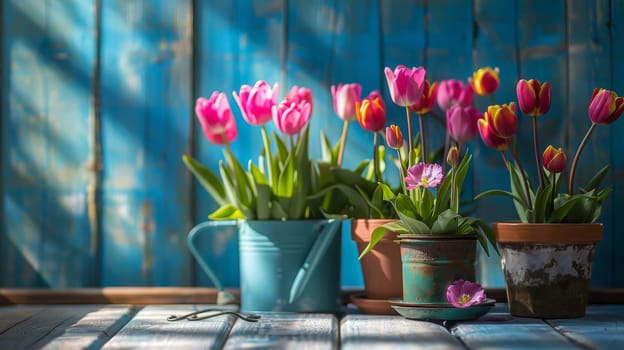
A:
<point x="388" y="194"/>
<point x="542" y="204"/>
<point x="563" y="205"/>
<point x="231" y="191"/>
<point x="327" y="150"/>
<point x="490" y="193"/>
<point x="596" y="180"/>
<point x="226" y="212"/>
<point x="425" y="206"/>
<point x="277" y="211"/>
<point x="209" y="180"/>
<point x="445" y="223"/>
<point x="359" y="205"/>
<point x="379" y="232"/>
<point x="285" y="185"/>
<point x="241" y="180"/>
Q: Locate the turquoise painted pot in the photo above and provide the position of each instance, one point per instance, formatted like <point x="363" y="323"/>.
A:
<point x="289" y="265"/>
<point x="431" y="263"/>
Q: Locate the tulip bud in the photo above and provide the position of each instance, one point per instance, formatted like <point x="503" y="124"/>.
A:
<point x="605" y="106"/>
<point x="554" y="159"/>
<point x="345" y="96"/>
<point x="405" y="84"/>
<point x="502" y="120"/>
<point x="533" y="98"/>
<point x="453" y="92"/>
<point x="394" y="137"/>
<point x="216" y="118"/>
<point x="452" y="158"/>
<point x="371" y="114"/>
<point x="485" y="81"/>
<point x="427" y="99"/>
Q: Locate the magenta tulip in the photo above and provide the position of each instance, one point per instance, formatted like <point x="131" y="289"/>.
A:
<point x="461" y="123"/>
<point x="465" y="293"/>
<point x="406" y="85"/>
<point x="428" y="98"/>
<point x="394" y="137"/>
<point x="256" y="103"/>
<point x="298" y="94"/>
<point x="290" y="117"/>
<point x="453" y="92"/>
<point x="605" y="106"/>
<point x="533" y="97"/>
<point x="345" y="96"/>
<point x="216" y="118"/>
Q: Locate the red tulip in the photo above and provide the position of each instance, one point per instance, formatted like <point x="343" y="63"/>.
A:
<point x="427" y="99"/>
<point x="371" y="114"/>
<point x="256" y="103"/>
<point x="405" y="84"/>
<point x="345" y="96"/>
<point x="490" y="138"/>
<point x="461" y="123"/>
<point x="291" y="117"/>
<point x="216" y="118"/>
<point x="533" y="97"/>
<point x="485" y="81"/>
<point x="502" y="120"/>
<point x="453" y="92"/>
<point x="394" y="137"/>
<point x="605" y="106"/>
<point x="554" y="159"/>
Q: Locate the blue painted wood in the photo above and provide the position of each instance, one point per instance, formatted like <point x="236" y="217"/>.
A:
<point x="47" y="55"/>
<point x="589" y="51"/>
<point x="599" y="329"/>
<point x="146" y="64"/>
<point x="495" y="46"/>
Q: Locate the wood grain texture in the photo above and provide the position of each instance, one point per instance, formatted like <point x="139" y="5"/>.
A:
<point x="285" y="330"/>
<point x="150" y="329"/>
<point x="601" y="328"/>
<point x="61" y="326"/>
<point x="146" y="65"/>
<point x="46" y="68"/>
<point x="393" y="332"/>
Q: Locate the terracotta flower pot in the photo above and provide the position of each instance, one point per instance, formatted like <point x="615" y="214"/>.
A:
<point x="547" y="267"/>
<point x="381" y="267"/>
<point x="432" y="263"/>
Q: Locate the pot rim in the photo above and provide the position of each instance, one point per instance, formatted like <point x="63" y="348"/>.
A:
<point x="361" y="229"/>
<point x="564" y="233"/>
<point x="426" y="237"/>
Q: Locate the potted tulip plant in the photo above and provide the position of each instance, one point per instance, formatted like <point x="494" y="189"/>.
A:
<point x="437" y="242"/>
<point x="281" y="225"/>
<point x="549" y="252"/>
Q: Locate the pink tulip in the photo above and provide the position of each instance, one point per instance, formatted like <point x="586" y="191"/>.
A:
<point x="453" y="92"/>
<point x="216" y="118"/>
<point x="533" y="97"/>
<point x="394" y="137"/>
<point x="298" y="94"/>
<point x="257" y="102"/>
<point x="345" y="96"/>
<point x="605" y="106"/>
<point x="291" y="117"/>
<point x="461" y="123"/>
<point x="406" y="85"/>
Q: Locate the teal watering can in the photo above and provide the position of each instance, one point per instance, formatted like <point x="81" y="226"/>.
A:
<point x="289" y="265"/>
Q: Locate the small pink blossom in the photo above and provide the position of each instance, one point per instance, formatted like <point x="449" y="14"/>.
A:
<point x="465" y="293"/>
<point x="424" y="175"/>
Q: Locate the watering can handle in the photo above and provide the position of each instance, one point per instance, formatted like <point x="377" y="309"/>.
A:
<point x="223" y="297"/>
<point x="313" y="258"/>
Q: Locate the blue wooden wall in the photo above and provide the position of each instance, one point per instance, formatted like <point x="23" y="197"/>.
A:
<point x="97" y="108"/>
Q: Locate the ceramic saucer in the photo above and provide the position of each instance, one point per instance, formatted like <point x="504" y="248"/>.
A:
<point x="441" y="312"/>
<point x="372" y="306"/>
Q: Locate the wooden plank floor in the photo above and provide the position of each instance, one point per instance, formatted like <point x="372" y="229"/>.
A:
<point x="123" y="326"/>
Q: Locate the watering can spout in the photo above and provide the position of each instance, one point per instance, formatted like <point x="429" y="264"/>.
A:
<point x="313" y="258"/>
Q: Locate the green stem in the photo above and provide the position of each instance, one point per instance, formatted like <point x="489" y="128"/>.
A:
<point x="410" y="145"/>
<point x="454" y="195"/>
<point x="376" y="158"/>
<point x="401" y="171"/>
<point x="269" y="154"/>
<point x="553" y="193"/>
<point x="577" y="156"/>
<point x="527" y="194"/>
<point x="538" y="163"/>
<point x="343" y="140"/>
<point x="423" y="151"/>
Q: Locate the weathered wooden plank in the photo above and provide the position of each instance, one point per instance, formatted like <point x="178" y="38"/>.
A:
<point x="499" y="330"/>
<point x="92" y="330"/>
<point x="149" y="329"/>
<point x="589" y="53"/>
<point x="12" y="315"/>
<point x="494" y="46"/>
<point x="55" y="326"/>
<point x="47" y="53"/>
<point x="601" y="328"/>
<point x="146" y="82"/>
<point x="393" y="332"/>
<point x="284" y="330"/>
<point x="617" y="143"/>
